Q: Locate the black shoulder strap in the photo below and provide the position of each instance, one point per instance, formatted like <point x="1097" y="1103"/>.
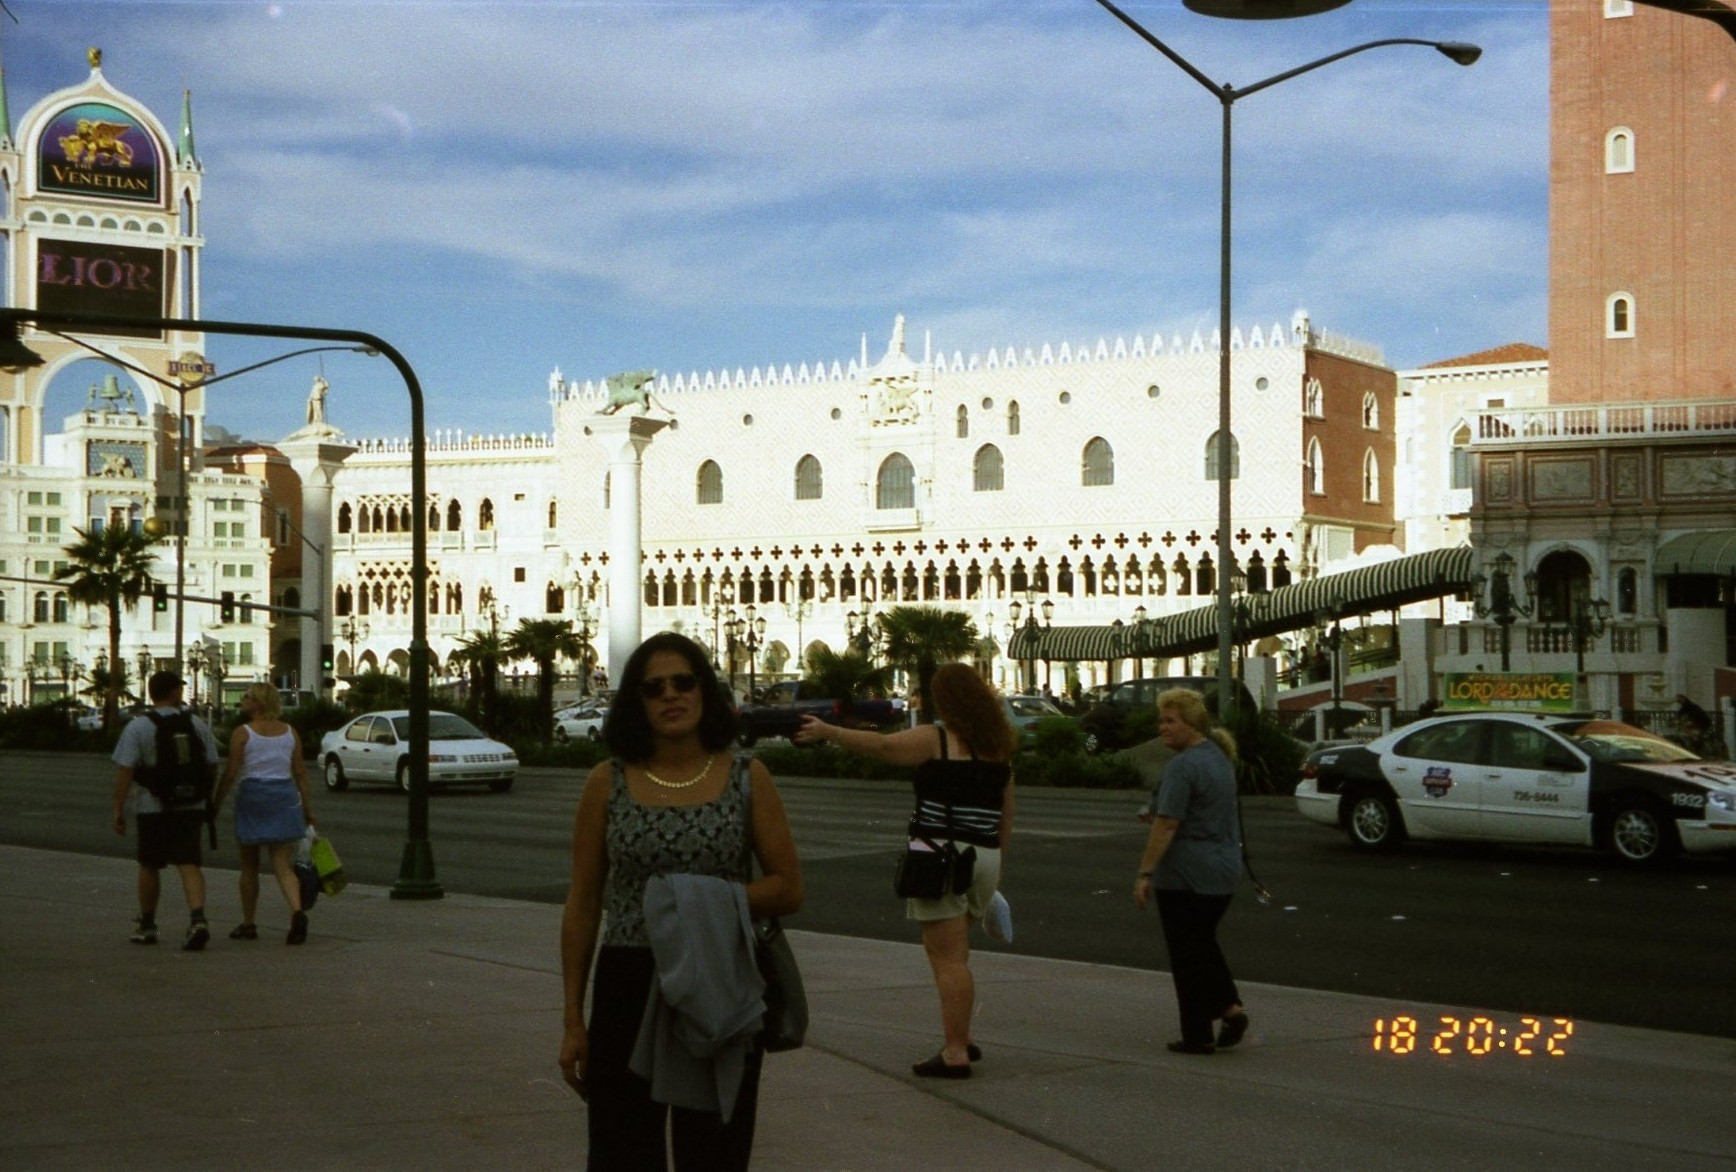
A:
<point x="743" y="776"/>
<point x="941" y="729"/>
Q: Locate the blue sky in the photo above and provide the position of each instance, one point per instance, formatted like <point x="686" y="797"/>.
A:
<point x="502" y="188"/>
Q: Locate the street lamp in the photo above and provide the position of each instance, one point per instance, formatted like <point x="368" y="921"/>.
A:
<point x="349" y="633"/>
<point x="1587" y="620"/>
<point x="1227" y="96"/>
<point x="584" y="629"/>
<point x="1504" y="606"/>
<point x="416" y="872"/>
<point x="195" y="659"/>
<point x="144" y="673"/>
<point x="751" y="633"/>
<point x="1334" y="640"/>
<point x="799" y="610"/>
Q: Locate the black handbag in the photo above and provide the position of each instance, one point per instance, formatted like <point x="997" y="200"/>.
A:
<point x="933" y="870"/>
<point x="785" y="1025"/>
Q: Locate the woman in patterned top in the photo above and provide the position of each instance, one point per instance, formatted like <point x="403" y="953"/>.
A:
<point x="964" y="794"/>
<point x="670" y="801"/>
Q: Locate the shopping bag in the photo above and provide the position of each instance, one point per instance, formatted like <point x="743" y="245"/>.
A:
<point x="306" y="874"/>
<point x="330" y="867"/>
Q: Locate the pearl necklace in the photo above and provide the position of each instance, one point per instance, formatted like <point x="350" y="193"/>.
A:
<point x="694" y="780"/>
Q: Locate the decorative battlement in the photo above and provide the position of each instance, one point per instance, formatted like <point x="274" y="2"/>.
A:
<point x="454" y="440"/>
<point x="1299" y="333"/>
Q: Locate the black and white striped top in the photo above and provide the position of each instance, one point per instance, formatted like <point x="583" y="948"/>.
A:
<point x="960" y="799"/>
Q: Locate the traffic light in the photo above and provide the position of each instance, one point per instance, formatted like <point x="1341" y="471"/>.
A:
<point x="325" y="657"/>
<point x="159" y="598"/>
<point x="226" y="606"/>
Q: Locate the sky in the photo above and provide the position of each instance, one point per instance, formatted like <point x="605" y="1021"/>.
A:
<point x="502" y="189"/>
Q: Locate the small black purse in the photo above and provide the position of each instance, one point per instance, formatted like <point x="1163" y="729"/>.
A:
<point x="933" y="870"/>
<point x="785" y="1025"/>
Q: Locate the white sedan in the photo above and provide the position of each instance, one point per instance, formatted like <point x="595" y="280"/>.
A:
<point x="580" y="722"/>
<point x="376" y="747"/>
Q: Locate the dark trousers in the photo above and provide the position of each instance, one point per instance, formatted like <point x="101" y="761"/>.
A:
<point x="626" y="1129"/>
<point x="1203" y="985"/>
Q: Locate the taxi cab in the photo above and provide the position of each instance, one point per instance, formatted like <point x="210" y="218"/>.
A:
<point x="1524" y="778"/>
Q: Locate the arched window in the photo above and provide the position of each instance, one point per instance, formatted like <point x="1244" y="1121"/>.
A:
<point x="1370" y="412"/>
<point x="895" y="483"/>
<point x="1313" y="400"/>
<point x="709" y="487"/>
<point x="485" y="515"/>
<point x="404" y="522"/>
<point x="454" y="516"/>
<point x="379" y="520"/>
<point x="39" y="607"/>
<point x="1212" y="456"/>
<point x="1618" y="151"/>
<point x="433" y="518"/>
<point x="554" y="599"/>
<point x="341" y="601"/>
<point x="1618" y="317"/>
<point x="988" y="473"/>
<point x="1013" y="417"/>
<point x="1316" y="468"/>
<point x="60" y="609"/>
<point x="1370" y="477"/>
<point x="1097" y="463"/>
<point x="651" y="592"/>
<point x="345" y="517"/>
<point x="810" y="479"/>
<point x="1256" y="573"/>
<point x="1460" y="472"/>
<point x="292" y="597"/>
<point x="554" y="512"/>
<point x="1627" y="591"/>
<point x="1280" y="570"/>
<point x="963" y="421"/>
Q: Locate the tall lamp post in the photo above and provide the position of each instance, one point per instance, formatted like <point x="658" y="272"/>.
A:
<point x="416" y="871"/>
<point x="1503" y="605"/>
<point x="349" y="633"/>
<point x="585" y="629"/>
<point x="1587" y="620"/>
<point x="1333" y="637"/>
<point x="799" y="610"/>
<point x="1227" y="95"/>
<point x="751" y="635"/>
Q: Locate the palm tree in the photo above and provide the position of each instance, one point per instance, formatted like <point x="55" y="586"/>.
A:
<point x="921" y="638"/>
<point x="846" y="675"/>
<point x="110" y="567"/>
<point x="480" y="652"/>
<point x="543" y="641"/>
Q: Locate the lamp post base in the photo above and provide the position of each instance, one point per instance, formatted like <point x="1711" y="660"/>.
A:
<point x="416" y="873"/>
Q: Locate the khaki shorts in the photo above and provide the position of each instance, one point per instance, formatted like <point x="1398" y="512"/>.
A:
<point x="973" y="902"/>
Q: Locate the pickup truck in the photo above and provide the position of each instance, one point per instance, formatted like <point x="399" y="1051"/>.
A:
<point x="780" y="712"/>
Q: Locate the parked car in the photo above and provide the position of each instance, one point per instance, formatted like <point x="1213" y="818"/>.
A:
<point x="780" y="712"/>
<point x="375" y="746"/>
<point x="581" y="721"/>
<point x="87" y="719"/>
<point x="1105" y="721"/>
<point x="1023" y="713"/>
<point x="1524" y="777"/>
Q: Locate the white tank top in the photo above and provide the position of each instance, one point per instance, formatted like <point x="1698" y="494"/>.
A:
<point x="267" y="756"/>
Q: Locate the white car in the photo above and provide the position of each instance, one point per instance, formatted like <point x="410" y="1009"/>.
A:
<point x="583" y="721"/>
<point x="1521" y="777"/>
<point x="375" y="746"/>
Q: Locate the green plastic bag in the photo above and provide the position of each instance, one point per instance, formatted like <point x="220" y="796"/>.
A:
<point x="330" y="867"/>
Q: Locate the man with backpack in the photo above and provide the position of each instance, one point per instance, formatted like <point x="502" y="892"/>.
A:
<point x="167" y="762"/>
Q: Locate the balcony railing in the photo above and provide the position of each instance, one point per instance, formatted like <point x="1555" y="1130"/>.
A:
<point x="1605" y="421"/>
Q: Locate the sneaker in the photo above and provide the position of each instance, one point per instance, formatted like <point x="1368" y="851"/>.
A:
<point x="245" y="932"/>
<point x="197" y="933"/>
<point x="297" y="929"/>
<point x="145" y="933"/>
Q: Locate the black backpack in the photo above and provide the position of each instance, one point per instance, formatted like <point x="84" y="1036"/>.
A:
<point x="182" y="776"/>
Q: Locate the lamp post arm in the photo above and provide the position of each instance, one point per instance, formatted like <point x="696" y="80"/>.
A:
<point x="1311" y="66"/>
<point x="1187" y="67"/>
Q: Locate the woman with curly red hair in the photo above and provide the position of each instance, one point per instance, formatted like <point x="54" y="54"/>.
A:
<point x="964" y="799"/>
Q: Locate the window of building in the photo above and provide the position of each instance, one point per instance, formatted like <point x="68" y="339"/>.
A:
<point x="1097" y="463"/>
<point x="988" y="470"/>
<point x="1618" y="317"/>
<point x="963" y="421"/>
<point x="554" y="514"/>
<point x="1013" y="418"/>
<point x="1614" y="8"/>
<point x="282" y="527"/>
<point x="1370" y="477"/>
<point x="518" y="573"/>
<point x="485" y="515"/>
<point x="1460" y="470"/>
<point x="810" y="479"/>
<point x="895" y="483"/>
<point x="1618" y="151"/>
<point x="454" y="516"/>
<point x="1370" y="412"/>
<point x="1316" y="468"/>
<point x="709" y="487"/>
<point x="1212" y="456"/>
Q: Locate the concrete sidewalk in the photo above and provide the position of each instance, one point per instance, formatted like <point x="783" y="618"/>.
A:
<point x="423" y="1035"/>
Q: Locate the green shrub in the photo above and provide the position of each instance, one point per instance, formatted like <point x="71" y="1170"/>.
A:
<point x="313" y="720"/>
<point x="1057" y="736"/>
<point x="1271" y="759"/>
<point x="823" y="761"/>
<point x="1076" y="770"/>
<point x="580" y="755"/>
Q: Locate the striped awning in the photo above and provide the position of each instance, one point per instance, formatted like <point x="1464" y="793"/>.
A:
<point x="1364" y="590"/>
<point x="1712" y="551"/>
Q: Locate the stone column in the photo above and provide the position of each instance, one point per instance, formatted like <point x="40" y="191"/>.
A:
<point x="316" y="453"/>
<point x="624" y="438"/>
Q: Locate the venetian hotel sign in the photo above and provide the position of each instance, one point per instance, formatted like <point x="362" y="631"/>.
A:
<point x="97" y="150"/>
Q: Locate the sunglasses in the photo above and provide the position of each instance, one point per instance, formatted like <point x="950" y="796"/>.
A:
<point x="682" y="681"/>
